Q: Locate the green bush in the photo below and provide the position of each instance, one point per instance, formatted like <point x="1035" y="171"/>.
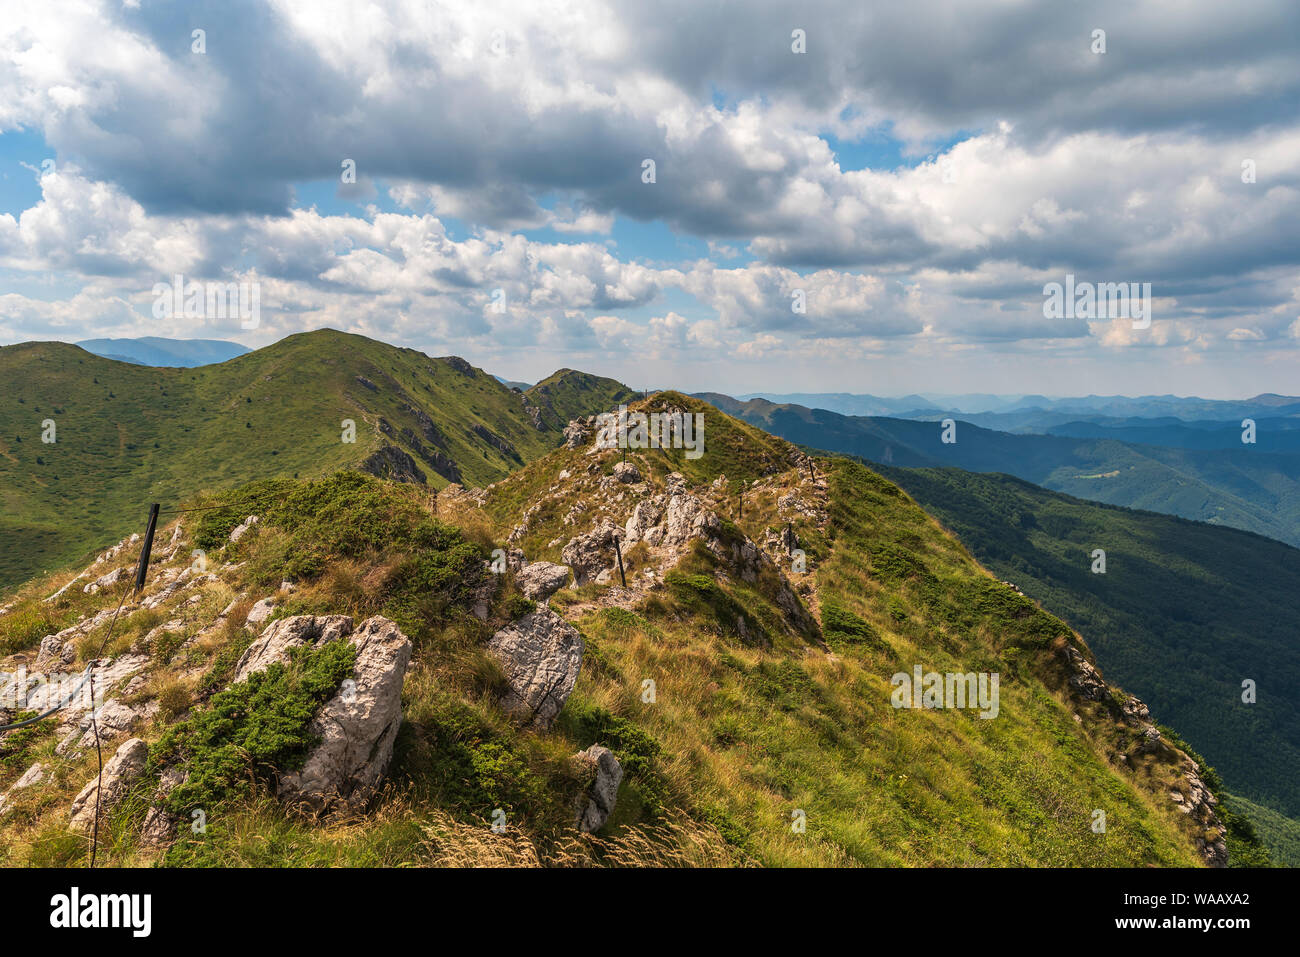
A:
<point x="252" y="730"/>
<point x="635" y="749"/>
<point x="351" y="515"/>
<point x="842" y="626"/>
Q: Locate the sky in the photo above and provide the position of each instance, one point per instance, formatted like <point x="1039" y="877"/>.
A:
<point x="915" y="173"/>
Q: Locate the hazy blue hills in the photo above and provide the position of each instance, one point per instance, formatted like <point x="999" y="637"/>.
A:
<point x="156" y="351"/>
<point x="1251" y="487"/>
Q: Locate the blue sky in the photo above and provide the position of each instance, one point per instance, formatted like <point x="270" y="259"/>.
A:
<point x="913" y="179"/>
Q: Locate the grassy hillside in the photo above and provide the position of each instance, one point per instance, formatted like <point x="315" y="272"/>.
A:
<point x="128" y="435"/>
<point x="1278" y="833"/>
<point x="761" y="718"/>
<point x="568" y="394"/>
<point x="1184" y="613"/>
<point x="1246" y="487"/>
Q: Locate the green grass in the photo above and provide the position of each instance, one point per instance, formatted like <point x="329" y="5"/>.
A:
<point x="250" y="731"/>
<point x="745" y="732"/>
<point x="1184" y="612"/>
<point x="130" y="435"/>
<point x="1278" y="833"/>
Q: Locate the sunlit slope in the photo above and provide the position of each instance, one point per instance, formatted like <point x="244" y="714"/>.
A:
<point x="129" y="435"/>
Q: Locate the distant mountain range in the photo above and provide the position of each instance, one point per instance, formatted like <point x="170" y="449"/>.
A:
<point x="1199" y="475"/>
<point x="155" y="351"/>
<point x="1026" y="410"/>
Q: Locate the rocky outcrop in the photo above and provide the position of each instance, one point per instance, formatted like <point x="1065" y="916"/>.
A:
<point x="602" y="795"/>
<point x="106" y="581"/>
<point x="592" y="553"/>
<point x="1084" y="678"/>
<point x="390" y="462"/>
<point x="540" y="580"/>
<point x="55" y="653"/>
<point x="428" y="428"/>
<point x="356" y="728"/>
<point x="540" y="655"/>
<point x="110" y="720"/>
<point x="497" y="442"/>
<point x="1192" y="798"/>
<point x="240" y="530"/>
<point x="120" y="772"/>
<point x="533" y="411"/>
<point x="627" y="473"/>
<point x="669" y="520"/>
<point x="578" y="432"/>
<point x="274" y="643"/>
<point x="459" y="364"/>
<point x="434" y="458"/>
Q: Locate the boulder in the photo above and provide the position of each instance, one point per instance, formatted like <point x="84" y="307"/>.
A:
<point x="260" y="612"/>
<point x="280" y="636"/>
<point x="540" y="655"/>
<point x="159" y="828"/>
<point x="356" y="728"/>
<point x="105" y="581"/>
<point x="31" y="777"/>
<point x="240" y="530"/>
<point x="120" y="772"/>
<point x="626" y="473"/>
<point x="603" y="793"/>
<point x="541" y="580"/>
<point x="111" y="719"/>
<point x="591" y="553"/>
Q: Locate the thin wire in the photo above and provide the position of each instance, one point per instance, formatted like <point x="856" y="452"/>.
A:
<point x="58" y="707"/>
<point x="205" y="508"/>
<point x="94" y="726"/>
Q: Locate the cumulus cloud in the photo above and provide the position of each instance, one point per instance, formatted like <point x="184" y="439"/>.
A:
<point x="1022" y="155"/>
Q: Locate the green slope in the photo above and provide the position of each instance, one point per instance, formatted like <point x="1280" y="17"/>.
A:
<point x="1183" y="614"/>
<point x="764" y="730"/>
<point x="1278" y="833"/>
<point x="129" y="435"/>
<point x="1245" y="487"/>
<point x="752" y="727"/>
<point x="568" y="394"/>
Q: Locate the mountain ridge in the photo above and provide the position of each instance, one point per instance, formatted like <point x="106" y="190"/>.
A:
<point x="125" y="435"/>
<point x="770" y="681"/>
<point x="1255" y="490"/>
